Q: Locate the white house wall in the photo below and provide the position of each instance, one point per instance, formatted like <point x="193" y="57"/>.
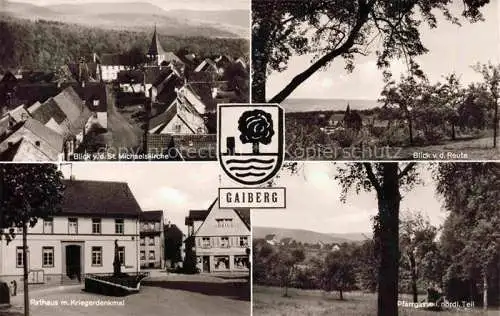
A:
<point x="60" y="237"/>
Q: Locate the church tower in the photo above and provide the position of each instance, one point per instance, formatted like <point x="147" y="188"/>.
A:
<point x="156" y="53"/>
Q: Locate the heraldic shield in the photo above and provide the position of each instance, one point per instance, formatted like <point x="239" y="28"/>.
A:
<point x="250" y="141"/>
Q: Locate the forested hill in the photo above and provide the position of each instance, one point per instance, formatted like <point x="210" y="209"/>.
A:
<point x="46" y="45"/>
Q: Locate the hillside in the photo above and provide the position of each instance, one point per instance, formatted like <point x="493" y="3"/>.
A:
<point x="306" y="236"/>
<point x="47" y="45"/>
<point x="140" y="16"/>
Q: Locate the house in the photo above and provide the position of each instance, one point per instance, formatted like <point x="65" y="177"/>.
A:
<point x="208" y="66"/>
<point x="151" y="245"/>
<point x="94" y="95"/>
<point x="67" y="115"/>
<point x="31" y="141"/>
<point x="181" y="117"/>
<point x="80" y="239"/>
<point x="110" y="65"/>
<point x="271" y="239"/>
<point x="219" y="238"/>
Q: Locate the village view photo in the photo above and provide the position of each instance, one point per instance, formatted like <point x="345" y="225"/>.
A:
<point x="375" y="80"/>
<point x="111" y="80"/>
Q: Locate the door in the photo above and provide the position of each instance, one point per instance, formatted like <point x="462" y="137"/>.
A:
<point x="73" y="261"/>
<point x="206" y="263"/>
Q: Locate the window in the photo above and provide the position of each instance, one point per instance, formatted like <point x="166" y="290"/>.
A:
<point x="119" y="226"/>
<point x="205" y="242"/>
<point x="48" y="226"/>
<point x="224" y="242"/>
<point x="142" y="241"/>
<point x="177" y="128"/>
<point x="48" y="257"/>
<point x="143" y="255"/>
<point x="95" y="103"/>
<point x="241" y="262"/>
<point x="121" y="255"/>
<point x="151" y="241"/>
<point x="151" y="255"/>
<point x="19" y="257"/>
<point x="96" y="226"/>
<point x="73" y="225"/>
<point x="244" y="241"/>
<point x="224" y="222"/>
<point x="96" y="256"/>
<point x="221" y="262"/>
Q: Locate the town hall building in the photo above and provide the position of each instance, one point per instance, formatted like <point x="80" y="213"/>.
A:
<point x="80" y="239"/>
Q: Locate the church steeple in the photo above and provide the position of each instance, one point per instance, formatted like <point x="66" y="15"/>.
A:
<point x="156" y="51"/>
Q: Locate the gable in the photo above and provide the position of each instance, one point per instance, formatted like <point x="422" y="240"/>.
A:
<point x="210" y="227"/>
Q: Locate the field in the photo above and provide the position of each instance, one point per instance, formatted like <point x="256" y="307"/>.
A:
<point x="269" y="301"/>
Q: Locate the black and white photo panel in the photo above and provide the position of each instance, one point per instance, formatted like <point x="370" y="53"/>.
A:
<point x="117" y="80"/>
<point x="380" y="80"/>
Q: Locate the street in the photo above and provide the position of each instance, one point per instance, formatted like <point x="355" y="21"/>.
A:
<point x="167" y="294"/>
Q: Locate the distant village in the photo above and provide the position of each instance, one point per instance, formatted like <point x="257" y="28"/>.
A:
<point x="119" y="106"/>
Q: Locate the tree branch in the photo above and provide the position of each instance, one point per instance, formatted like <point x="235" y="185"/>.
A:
<point x="364" y="11"/>
<point x="372" y="177"/>
<point x="406" y="170"/>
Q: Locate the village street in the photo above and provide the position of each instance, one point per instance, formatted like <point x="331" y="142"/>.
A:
<point x="160" y="294"/>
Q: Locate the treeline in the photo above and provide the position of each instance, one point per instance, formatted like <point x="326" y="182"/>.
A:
<point x="46" y="45"/>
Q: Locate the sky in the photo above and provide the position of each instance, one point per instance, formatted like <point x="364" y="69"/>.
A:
<point x="165" y="4"/>
<point x="451" y="48"/>
<point x="312" y="195"/>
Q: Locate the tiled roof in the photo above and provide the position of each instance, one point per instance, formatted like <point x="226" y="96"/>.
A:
<point x="130" y="76"/>
<point x="93" y="91"/>
<point x="204" y="92"/>
<point x="77" y="113"/>
<point x="172" y="57"/>
<point x="99" y="198"/>
<point x="196" y="146"/>
<point x="163" y="118"/>
<point x="206" y="65"/>
<point x="19" y="114"/>
<point x="152" y="216"/>
<point x="184" y="147"/>
<point x="51" y="137"/>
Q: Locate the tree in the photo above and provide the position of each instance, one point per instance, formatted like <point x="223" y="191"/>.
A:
<point x="416" y="240"/>
<point x="406" y="95"/>
<point x="339" y="271"/>
<point x="388" y="181"/>
<point x="340" y="29"/>
<point x="452" y="96"/>
<point x="491" y="76"/>
<point x="470" y="192"/>
<point x="136" y="56"/>
<point x="27" y="192"/>
<point x="284" y="263"/>
<point x="256" y="126"/>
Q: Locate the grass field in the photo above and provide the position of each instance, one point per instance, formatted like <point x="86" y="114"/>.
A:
<point x="269" y="301"/>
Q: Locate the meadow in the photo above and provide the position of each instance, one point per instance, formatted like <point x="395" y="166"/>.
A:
<point x="269" y="301"/>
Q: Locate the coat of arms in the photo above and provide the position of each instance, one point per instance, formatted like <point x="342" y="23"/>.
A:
<point x="250" y="141"/>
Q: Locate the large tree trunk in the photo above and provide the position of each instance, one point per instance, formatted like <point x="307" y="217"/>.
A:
<point x="485" y="289"/>
<point x="25" y="270"/>
<point x="410" y="128"/>
<point x="259" y="63"/>
<point x="413" y="270"/>
<point x="341" y="295"/>
<point x="388" y="204"/>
